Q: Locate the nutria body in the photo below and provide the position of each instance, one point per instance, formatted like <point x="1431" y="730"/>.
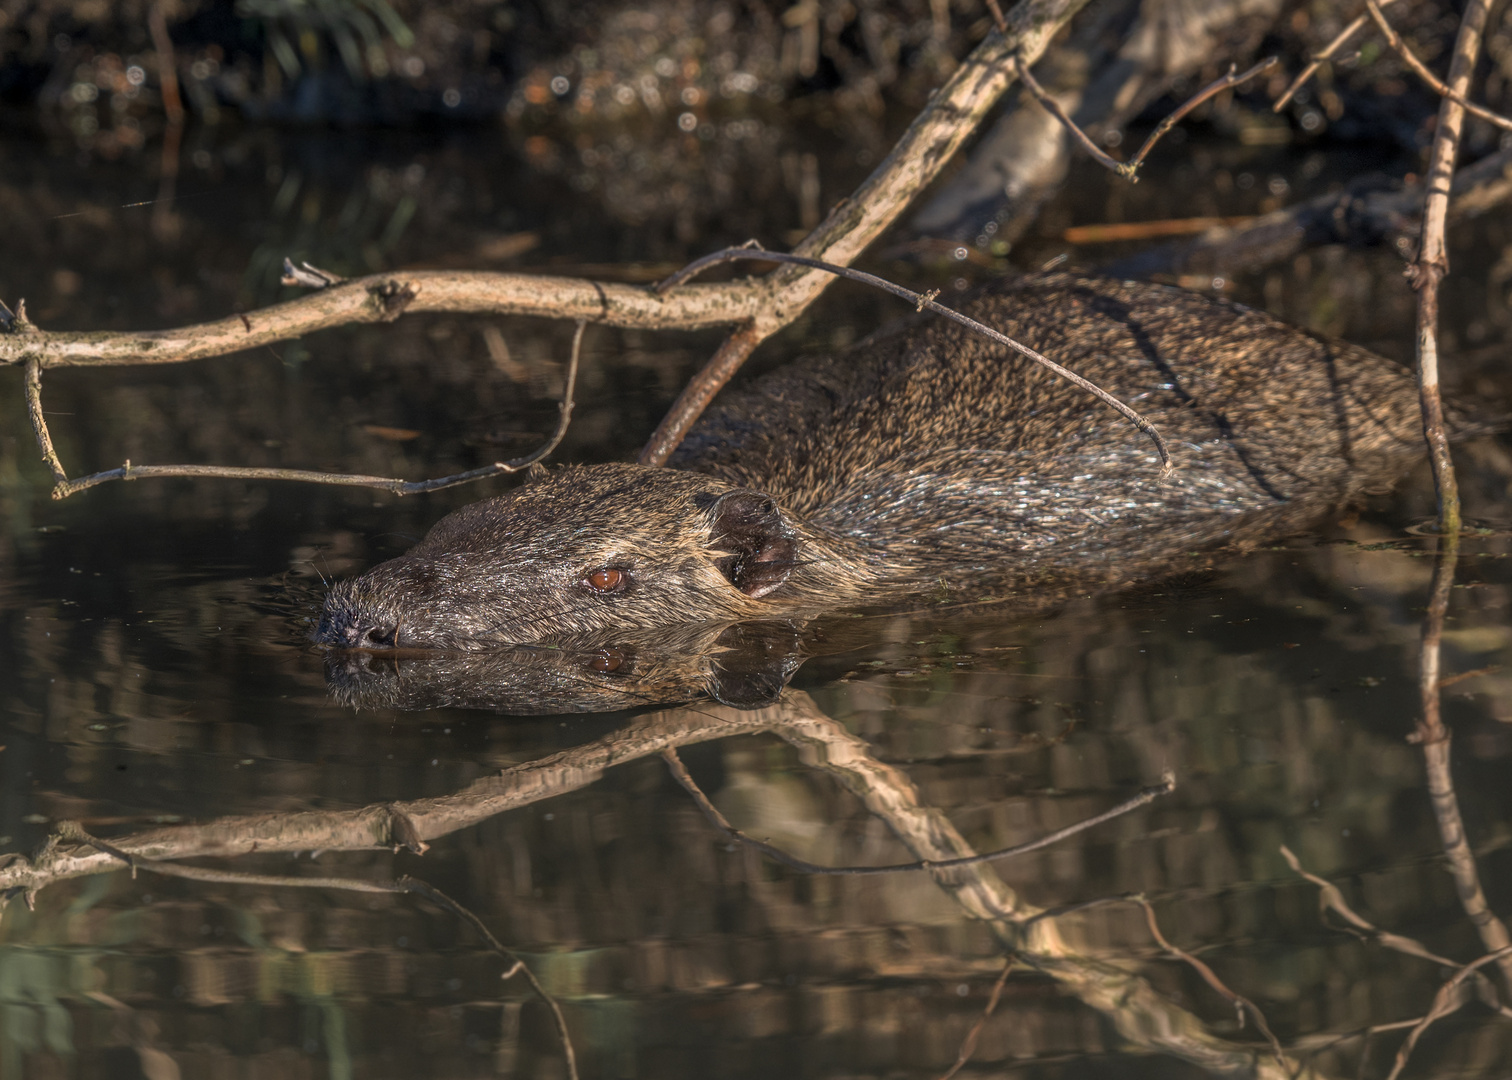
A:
<point x="928" y="460"/>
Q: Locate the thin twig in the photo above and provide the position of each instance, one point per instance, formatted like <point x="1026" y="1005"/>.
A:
<point x="1212" y="89"/>
<point x="1444" y="1003"/>
<point x="72" y="831"/>
<point x="720" y="822"/>
<point x="969" y="1044"/>
<point x="921" y="302"/>
<point x="65" y="487"/>
<point x="1326" y="54"/>
<point x="39" y="421"/>
<point x="1242" y="1005"/>
<point x="1455" y="90"/>
<point x="1129" y="170"/>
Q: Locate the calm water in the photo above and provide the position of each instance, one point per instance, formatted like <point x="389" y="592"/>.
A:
<point x="154" y="675"/>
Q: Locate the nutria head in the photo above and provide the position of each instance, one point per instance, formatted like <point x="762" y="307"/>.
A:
<point x="579" y="550"/>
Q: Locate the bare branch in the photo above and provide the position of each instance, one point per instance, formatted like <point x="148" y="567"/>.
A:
<point x="921" y="302"/>
<point x="1426" y="274"/>
<point x="1456" y="89"/>
<point x="64" y="487"/>
<point x="383" y="298"/>
<point x="1320" y="58"/>
<point x="953" y="113"/>
<point x="1129" y="170"/>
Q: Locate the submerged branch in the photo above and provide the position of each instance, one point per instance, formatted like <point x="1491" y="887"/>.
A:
<point x="720" y="822"/>
<point x="413" y="886"/>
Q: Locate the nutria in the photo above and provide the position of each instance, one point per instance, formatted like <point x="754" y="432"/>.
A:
<point x="925" y="461"/>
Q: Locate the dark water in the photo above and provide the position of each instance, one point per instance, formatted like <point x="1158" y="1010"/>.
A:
<point x="153" y="673"/>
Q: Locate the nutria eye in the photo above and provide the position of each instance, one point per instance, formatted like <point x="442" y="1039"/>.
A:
<point x="607" y="662"/>
<point x="608" y="580"/>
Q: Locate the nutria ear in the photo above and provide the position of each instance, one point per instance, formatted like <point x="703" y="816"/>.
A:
<point x="763" y="546"/>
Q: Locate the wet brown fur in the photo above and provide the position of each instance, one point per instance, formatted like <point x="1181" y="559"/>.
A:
<point x="923" y="460"/>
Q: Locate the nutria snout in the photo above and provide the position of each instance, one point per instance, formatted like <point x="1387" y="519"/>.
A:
<point x="926" y="460"/>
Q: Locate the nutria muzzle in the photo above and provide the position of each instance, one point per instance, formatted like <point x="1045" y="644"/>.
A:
<point x="927" y="461"/>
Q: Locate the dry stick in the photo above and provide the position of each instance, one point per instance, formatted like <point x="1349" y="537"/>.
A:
<point x="969" y="1044"/>
<point x="39" y="422"/>
<point x="1426" y="273"/>
<point x="1456" y="89"/>
<point x="720" y="822"/>
<point x="1320" y="58"/>
<point x="921" y="302"/>
<point x="72" y="831"/>
<point x="1444" y="1003"/>
<point x="64" y="487"/>
<point x="1241" y="1004"/>
<point x="952" y="115"/>
<point x="1129" y="170"/>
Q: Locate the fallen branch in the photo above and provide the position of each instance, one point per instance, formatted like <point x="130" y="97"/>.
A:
<point x="758" y="307"/>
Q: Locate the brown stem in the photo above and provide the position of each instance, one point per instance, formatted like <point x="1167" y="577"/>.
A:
<point x="1243" y="1006"/>
<point x="1129" y="170"/>
<point x="1444" y="1003"/>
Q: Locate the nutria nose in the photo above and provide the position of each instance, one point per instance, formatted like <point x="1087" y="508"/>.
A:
<point x="356" y="630"/>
